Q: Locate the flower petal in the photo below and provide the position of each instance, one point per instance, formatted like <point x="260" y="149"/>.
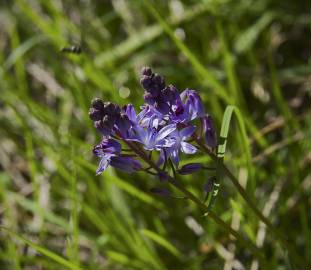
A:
<point x="165" y="131"/>
<point x="168" y="142"/>
<point x="188" y="148"/>
<point x="107" y="146"/>
<point x="103" y="164"/>
<point x="187" y="131"/>
<point x="131" y="114"/>
<point x="175" y="158"/>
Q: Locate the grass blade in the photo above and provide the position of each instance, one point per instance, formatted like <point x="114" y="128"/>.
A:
<point x="51" y="255"/>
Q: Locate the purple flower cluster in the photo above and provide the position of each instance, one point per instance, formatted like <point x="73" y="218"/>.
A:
<point x="166" y="124"/>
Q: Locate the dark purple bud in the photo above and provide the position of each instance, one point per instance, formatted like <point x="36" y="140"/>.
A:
<point x="208" y="187"/>
<point x="163" y="176"/>
<point x="146" y="82"/>
<point x="178" y="108"/>
<point x="170" y="93"/>
<point x="190" y="168"/>
<point x="162" y="107"/>
<point x="95" y="114"/>
<point x="209" y="131"/>
<point x="149" y="99"/>
<point x="152" y="83"/>
<point x="123" y="124"/>
<point x="105" y="125"/>
<point x="111" y="108"/>
<point x="163" y="192"/>
<point x="146" y="71"/>
<point x="125" y="163"/>
<point x="97" y="104"/>
<point x="109" y="121"/>
<point x="99" y="125"/>
<point x="158" y="80"/>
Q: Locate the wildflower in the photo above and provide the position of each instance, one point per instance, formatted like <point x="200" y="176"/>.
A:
<point x="187" y="107"/>
<point x="164" y="124"/>
<point x="178" y="142"/>
<point x="109" y="151"/>
<point x="153" y="139"/>
<point x="193" y="103"/>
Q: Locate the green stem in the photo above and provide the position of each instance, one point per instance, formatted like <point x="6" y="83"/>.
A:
<point x="252" y="205"/>
<point x="193" y="198"/>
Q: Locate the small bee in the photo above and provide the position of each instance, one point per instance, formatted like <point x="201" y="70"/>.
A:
<point x="76" y="49"/>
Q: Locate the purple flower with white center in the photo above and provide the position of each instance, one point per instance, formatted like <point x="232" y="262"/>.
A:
<point x="107" y="149"/>
<point x="186" y="107"/>
<point x="153" y="139"/>
<point x="193" y="103"/>
<point x="178" y="140"/>
<point x="107" y="146"/>
<point x="149" y="116"/>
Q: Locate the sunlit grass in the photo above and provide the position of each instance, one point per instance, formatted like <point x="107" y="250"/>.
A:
<point x="56" y="213"/>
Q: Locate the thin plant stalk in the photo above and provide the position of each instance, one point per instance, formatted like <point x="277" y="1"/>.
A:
<point x="252" y="205"/>
<point x="257" y="252"/>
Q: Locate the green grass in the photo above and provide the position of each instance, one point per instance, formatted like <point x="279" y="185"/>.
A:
<point x="56" y="214"/>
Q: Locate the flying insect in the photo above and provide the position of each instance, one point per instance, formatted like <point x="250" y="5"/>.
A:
<point x="75" y="49"/>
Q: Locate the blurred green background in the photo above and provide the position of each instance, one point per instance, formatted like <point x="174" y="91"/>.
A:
<point x="252" y="54"/>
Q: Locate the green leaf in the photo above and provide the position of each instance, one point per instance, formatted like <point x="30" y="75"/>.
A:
<point x="247" y="39"/>
<point x="51" y="255"/>
<point x="162" y="242"/>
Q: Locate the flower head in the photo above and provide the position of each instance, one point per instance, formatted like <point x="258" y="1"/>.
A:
<point x="164" y="124"/>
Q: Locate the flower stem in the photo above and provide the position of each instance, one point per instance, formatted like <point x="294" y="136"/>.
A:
<point x="252" y="205"/>
<point x="193" y="198"/>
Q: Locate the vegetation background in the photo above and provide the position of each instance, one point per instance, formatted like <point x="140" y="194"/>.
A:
<point x="56" y="214"/>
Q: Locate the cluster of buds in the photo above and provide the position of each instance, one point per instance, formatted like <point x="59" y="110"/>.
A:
<point x="157" y="94"/>
<point x="105" y="115"/>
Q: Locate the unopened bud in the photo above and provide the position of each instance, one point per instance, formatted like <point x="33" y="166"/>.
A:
<point x="190" y="168"/>
<point x="95" y="114"/>
<point x="208" y="187"/>
<point x="160" y="192"/>
<point x="97" y="103"/>
<point x="147" y="71"/>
